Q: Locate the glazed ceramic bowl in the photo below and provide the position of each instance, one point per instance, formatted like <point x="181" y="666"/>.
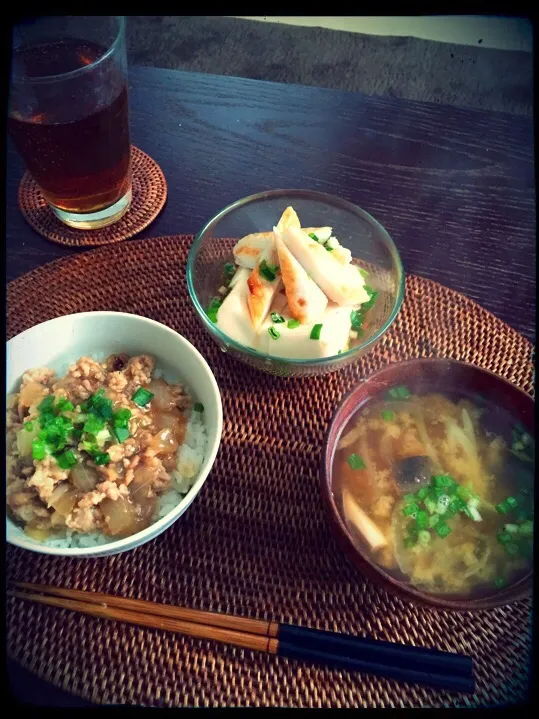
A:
<point x="420" y="376"/>
<point x="60" y="342"/>
<point x="356" y="230"/>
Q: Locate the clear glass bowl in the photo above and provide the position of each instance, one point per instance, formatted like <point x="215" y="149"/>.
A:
<point x="369" y="242"/>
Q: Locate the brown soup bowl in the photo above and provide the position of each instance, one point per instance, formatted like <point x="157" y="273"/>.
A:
<point x="421" y="376"/>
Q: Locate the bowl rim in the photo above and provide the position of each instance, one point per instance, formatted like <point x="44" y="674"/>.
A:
<point x="520" y="589"/>
<point x="156" y="528"/>
<point x="315" y="195"/>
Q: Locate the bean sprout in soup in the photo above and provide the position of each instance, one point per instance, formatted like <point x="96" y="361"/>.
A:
<point x="438" y="490"/>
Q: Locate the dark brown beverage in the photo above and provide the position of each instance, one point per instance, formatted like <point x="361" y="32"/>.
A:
<point x="75" y="143"/>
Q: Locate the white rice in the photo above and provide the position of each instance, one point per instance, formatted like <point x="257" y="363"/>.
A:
<point x="190" y="458"/>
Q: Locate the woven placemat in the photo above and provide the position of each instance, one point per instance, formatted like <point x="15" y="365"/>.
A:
<point x="149" y="189"/>
<point x="256" y="542"/>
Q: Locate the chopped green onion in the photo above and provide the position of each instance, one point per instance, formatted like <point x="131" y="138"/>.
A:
<point x="526" y="528"/>
<point x="356" y="320"/>
<point x="363" y="272"/>
<point x="273" y="333"/>
<point x="431" y="505"/>
<point x="444" y="481"/>
<point x="328" y="248"/>
<point x="95" y="399"/>
<point x="315" y="332"/>
<point x="313" y="237"/>
<point x="503" y="537"/>
<point x="122" y="433"/>
<point x="277" y="318"/>
<point x="268" y="271"/>
<point x="409" y="542"/>
<point x="198" y="407"/>
<point x="518" y="446"/>
<point x="90" y="447"/>
<point x="214" y="308"/>
<point x="64" y="405"/>
<point x="442" y="529"/>
<point x="511" y="548"/>
<point x="28" y="426"/>
<point x="355" y="462"/>
<point x="422" y="493"/>
<point x="102" y="458"/>
<point x="499" y="582"/>
<point x="392" y="394"/>
<point x="38" y="449"/>
<point x="433" y="520"/>
<point x="46" y="404"/>
<point x="142" y="397"/>
<point x="373" y="295"/>
<point x="410" y="509"/>
<point x="423" y="537"/>
<point x="408" y="498"/>
<point x="387" y="415"/>
<point x="229" y="272"/>
<point x="403" y="392"/>
<point x="464" y="493"/>
<point x="93" y="424"/>
<point x="67" y="459"/>
<point x="511" y="502"/>
<point x="292" y="324"/>
<point x="511" y="528"/>
<point x="104" y="408"/>
<point x="422" y="519"/>
<point x="122" y="417"/>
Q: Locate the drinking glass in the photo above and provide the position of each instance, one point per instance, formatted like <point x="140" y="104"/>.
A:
<point x="68" y="114"/>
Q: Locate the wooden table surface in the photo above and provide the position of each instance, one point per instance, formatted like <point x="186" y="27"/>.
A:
<point x="454" y="187"/>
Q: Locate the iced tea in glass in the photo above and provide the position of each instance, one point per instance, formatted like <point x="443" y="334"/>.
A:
<point x="68" y="114"/>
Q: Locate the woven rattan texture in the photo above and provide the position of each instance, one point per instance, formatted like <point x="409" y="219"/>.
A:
<point x="256" y="542"/>
<point x="149" y="189"/>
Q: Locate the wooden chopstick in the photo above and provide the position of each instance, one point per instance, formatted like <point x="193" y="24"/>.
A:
<point x="411" y="664"/>
<point x="199" y="631"/>
<point x="198" y="616"/>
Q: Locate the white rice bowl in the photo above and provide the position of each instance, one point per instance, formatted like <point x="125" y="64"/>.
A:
<point x="59" y="342"/>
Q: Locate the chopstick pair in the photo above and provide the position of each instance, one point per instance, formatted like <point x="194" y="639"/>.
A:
<point x="442" y="670"/>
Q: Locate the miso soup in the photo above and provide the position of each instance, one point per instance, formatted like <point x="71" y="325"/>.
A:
<point x="438" y="489"/>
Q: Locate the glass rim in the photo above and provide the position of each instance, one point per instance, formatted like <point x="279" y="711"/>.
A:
<point x="315" y="195"/>
<point x="45" y="79"/>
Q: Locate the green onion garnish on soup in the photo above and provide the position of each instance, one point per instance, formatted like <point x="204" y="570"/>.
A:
<point x="363" y="272"/>
<point x="313" y="237"/>
<point x="355" y="462"/>
<point x="273" y="333"/>
<point x="292" y="324"/>
<point x="387" y="415"/>
<point x="315" y="332"/>
<point x="277" y="318"/>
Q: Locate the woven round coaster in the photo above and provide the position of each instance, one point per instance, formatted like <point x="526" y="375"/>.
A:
<point x="257" y="541"/>
<point x="149" y="189"/>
